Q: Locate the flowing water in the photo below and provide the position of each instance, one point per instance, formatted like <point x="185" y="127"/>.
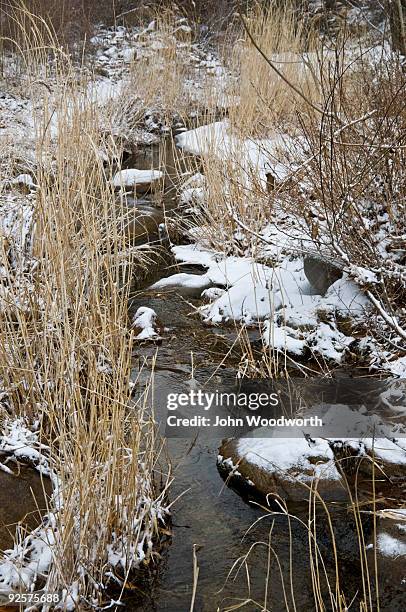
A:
<point x="208" y="514"/>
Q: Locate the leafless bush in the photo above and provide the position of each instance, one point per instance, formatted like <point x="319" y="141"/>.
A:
<point x="354" y="187"/>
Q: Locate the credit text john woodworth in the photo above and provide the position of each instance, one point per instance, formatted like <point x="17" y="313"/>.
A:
<point x="204" y="402"/>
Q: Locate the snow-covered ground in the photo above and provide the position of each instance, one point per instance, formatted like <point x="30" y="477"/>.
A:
<point x="276" y="296"/>
<point x="256" y="157"/>
<point x="279" y="300"/>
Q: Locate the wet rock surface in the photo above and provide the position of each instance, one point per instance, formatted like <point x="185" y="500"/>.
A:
<point x="321" y="273"/>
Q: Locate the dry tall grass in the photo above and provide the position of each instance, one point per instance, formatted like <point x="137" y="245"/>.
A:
<point x="327" y="567"/>
<point x="351" y="187"/>
<point x="65" y="355"/>
<point x="167" y="77"/>
<point x="266" y="100"/>
<point x="262" y="117"/>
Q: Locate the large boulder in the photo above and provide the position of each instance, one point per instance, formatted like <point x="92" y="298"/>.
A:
<point x="284" y="467"/>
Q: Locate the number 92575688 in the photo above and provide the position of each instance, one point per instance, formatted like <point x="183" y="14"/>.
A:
<point x="33" y="598"/>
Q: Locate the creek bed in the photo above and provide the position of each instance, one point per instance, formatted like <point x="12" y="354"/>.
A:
<point x="211" y="515"/>
<point x="208" y="513"/>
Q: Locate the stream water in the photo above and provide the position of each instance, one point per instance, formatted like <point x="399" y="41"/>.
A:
<point x="215" y="519"/>
<point x="210" y="515"/>
<point x="26" y="486"/>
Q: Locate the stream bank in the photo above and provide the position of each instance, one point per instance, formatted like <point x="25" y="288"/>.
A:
<point x="244" y="248"/>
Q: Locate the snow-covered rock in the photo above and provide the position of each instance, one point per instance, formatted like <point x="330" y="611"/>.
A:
<point x="193" y="191"/>
<point x="190" y="285"/>
<point x="19" y="441"/>
<point x="212" y="293"/>
<point x="397" y="367"/>
<point x="137" y="179"/>
<point x="284" y="467"/>
<point x="385" y="457"/>
<point x="280" y="296"/>
<point x="392" y="542"/>
<point x="146" y="324"/>
<point x="129" y="55"/>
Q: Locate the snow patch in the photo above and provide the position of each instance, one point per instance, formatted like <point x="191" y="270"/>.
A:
<point x="255" y="157"/>
<point x="145" y="321"/>
<point x="280" y="296"/>
<point x="389" y="546"/>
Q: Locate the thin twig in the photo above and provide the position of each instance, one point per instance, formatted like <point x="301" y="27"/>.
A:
<point x="195" y="577"/>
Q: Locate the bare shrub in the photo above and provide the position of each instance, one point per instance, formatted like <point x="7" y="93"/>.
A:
<point x="353" y="191"/>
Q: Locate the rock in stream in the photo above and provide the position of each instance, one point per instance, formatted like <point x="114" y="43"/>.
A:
<point x="283" y="467"/>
